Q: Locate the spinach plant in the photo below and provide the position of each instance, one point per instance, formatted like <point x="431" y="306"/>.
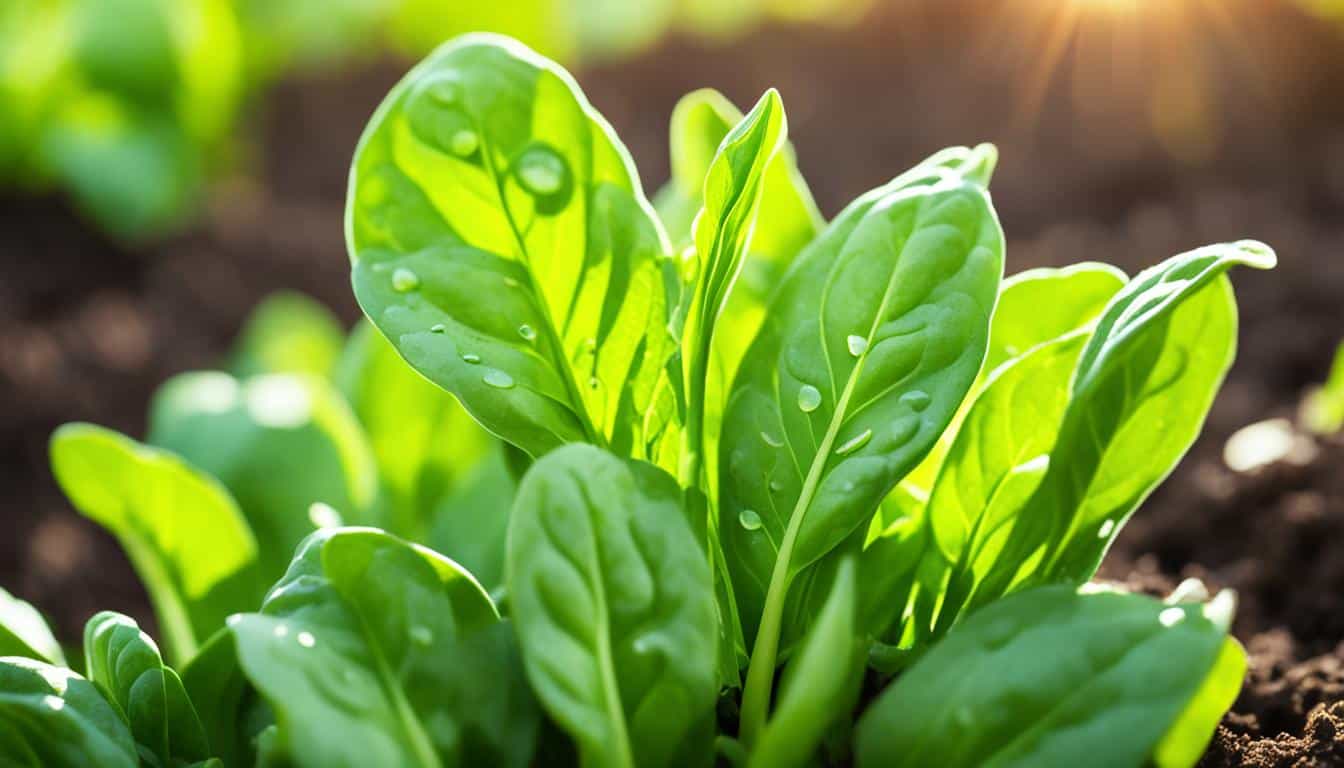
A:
<point x="718" y="482"/>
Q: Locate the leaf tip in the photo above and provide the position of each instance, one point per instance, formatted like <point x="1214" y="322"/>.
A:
<point x="980" y="164"/>
<point x="1256" y="254"/>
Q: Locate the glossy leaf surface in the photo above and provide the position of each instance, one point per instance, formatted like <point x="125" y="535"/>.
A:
<point x="614" y="608"/>
<point x="187" y="539"/>
<point x="373" y="651"/>
<point x="501" y="240"/>
<point x="51" y="717"/>
<point x="149" y="694"/>
<point x="1047" y="677"/>
<point x="23" y="632"/>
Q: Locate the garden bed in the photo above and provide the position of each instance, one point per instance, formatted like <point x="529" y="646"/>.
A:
<point x="89" y="327"/>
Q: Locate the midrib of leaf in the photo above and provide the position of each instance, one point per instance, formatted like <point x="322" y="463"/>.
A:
<point x="761" y="671"/>
<point x="611" y="692"/>
<point x="421" y="746"/>
<point x="595" y="436"/>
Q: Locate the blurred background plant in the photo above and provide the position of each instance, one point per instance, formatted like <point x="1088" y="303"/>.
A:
<point x="132" y="106"/>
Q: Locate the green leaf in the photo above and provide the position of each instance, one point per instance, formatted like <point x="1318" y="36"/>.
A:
<point x="425" y="444"/>
<point x="224" y="700"/>
<point x="998" y="459"/>
<point x="820" y="683"/>
<point x="23" y="632"/>
<point x="471" y="523"/>
<point x="1035" y="306"/>
<point x="125" y="662"/>
<point x="500" y="239"/>
<point x="180" y="528"/>
<point x="614" y="607"/>
<point x="1323" y="409"/>
<point x="286" y="446"/>
<point x="1139" y="396"/>
<point x="1046" y="677"/>
<point x="288" y="333"/>
<point x="870" y="345"/>
<point x="51" y="717"/>
<point x="373" y="651"/>
<point x="1189" y="737"/>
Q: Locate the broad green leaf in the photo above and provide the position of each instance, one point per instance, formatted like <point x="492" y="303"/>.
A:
<point x="1047" y="677"/>
<point x="614" y="608"/>
<point x="869" y="347"/>
<point x="51" y="717"/>
<point x="180" y="528"/>
<point x="426" y="445"/>
<point x="820" y="683"/>
<point x="288" y="333"/>
<point x="286" y="446"/>
<point x="470" y="524"/>
<point x="998" y="459"/>
<point x="1141" y="390"/>
<point x="1323" y="409"/>
<point x="500" y="239"/>
<point x="23" y="632"/>
<point x="228" y="706"/>
<point x="1189" y="737"/>
<point x="125" y="662"/>
<point x="1035" y="306"/>
<point x="373" y="651"/>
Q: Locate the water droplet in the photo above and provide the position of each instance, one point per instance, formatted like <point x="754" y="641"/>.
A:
<point x="749" y="520"/>
<point x="541" y="171"/>
<point x="470" y="358"/>
<point x="771" y="440"/>
<point x="306" y="639"/>
<point x="422" y="635"/>
<point x="281" y="630"/>
<point x="54" y="703"/>
<point x="916" y="399"/>
<point x="464" y="143"/>
<point x="404" y="280"/>
<point x="1106" y="529"/>
<point x="855" y="443"/>
<point x="233" y="620"/>
<point x="527" y="332"/>
<point x="444" y="91"/>
<point x="593" y="383"/>
<point x="857" y="345"/>
<point x="809" y="398"/>
<point x="498" y="379"/>
<point x="511" y="283"/>
<point x="776" y="486"/>
<point x="438" y="328"/>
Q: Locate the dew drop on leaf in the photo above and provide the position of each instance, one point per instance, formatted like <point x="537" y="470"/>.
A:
<point x="280" y="630"/>
<point x="444" y="91"/>
<point x="541" y="171"/>
<point x="438" y="328"/>
<point x="916" y="399"/>
<point x="510" y="282"/>
<point x="857" y="345"/>
<point x="771" y="440"/>
<point x="404" y="280"/>
<point x="749" y="520"/>
<point x="527" y="332"/>
<point x="855" y="443"/>
<point x="464" y="143"/>
<point x="470" y="358"/>
<point x="306" y="639"/>
<point x="809" y="398"/>
<point x="498" y="379"/>
<point x="422" y="635"/>
<point x="1106" y="529"/>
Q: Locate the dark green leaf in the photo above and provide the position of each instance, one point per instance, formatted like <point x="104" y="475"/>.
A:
<point x="52" y="718"/>
<point x="614" y="606"/>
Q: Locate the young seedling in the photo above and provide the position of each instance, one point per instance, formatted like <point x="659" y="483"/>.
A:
<point x="792" y="492"/>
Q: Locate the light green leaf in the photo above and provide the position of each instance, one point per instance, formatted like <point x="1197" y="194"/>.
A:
<point x="1048" y="678"/>
<point x="820" y="683"/>
<point x="1189" y="736"/>
<point x="288" y="333"/>
<point x="614" y="608"/>
<point x="1323" y="409"/>
<point x="1139" y="396"/>
<point x="23" y="632"/>
<point x="373" y="651"/>
<point x="51" y="717"/>
<point x="500" y="239"/>
<point x="286" y="446"/>
<point x="870" y="345"/>
<point x="425" y="444"/>
<point x="125" y="662"/>
<point x="181" y="529"/>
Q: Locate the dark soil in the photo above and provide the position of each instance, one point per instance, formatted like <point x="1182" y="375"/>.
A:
<point x="89" y="327"/>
